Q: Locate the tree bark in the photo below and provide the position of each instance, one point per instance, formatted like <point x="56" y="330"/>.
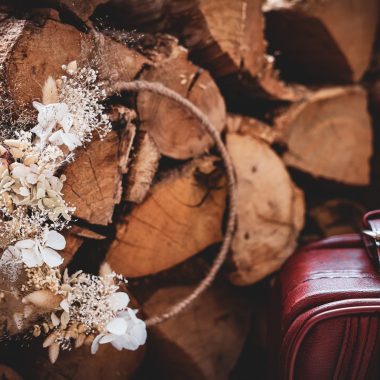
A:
<point x="143" y="168"/>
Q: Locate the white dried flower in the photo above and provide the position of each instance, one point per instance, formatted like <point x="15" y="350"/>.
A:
<point x="61" y="137"/>
<point x="36" y="187"/>
<point x="81" y="92"/>
<point x="29" y="175"/>
<point x="49" y="116"/>
<point x="125" y="331"/>
<point x="35" y="252"/>
<point x="118" y="301"/>
<point x="72" y="67"/>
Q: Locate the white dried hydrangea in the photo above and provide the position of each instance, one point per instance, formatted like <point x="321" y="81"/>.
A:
<point x="125" y="331"/>
<point x="40" y="250"/>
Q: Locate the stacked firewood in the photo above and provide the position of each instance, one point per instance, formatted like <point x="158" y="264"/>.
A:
<point x="283" y="83"/>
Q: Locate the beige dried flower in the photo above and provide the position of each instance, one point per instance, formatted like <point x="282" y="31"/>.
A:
<point x="54" y="352"/>
<point x="49" y="91"/>
<point x="43" y="299"/>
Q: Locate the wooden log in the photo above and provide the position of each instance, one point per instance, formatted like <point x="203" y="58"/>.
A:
<point x="338" y="216"/>
<point x="203" y="342"/>
<point x="83" y="9"/>
<point x="225" y="37"/>
<point x="329" y="135"/>
<point x="73" y="243"/>
<point x="229" y="36"/>
<point x="322" y="41"/>
<point x="142" y="169"/>
<point x="30" y="52"/>
<point x="175" y="131"/>
<point x="229" y="41"/>
<point x="75" y="237"/>
<point x="121" y="118"/>
<point x="270" y="210"/>
<point x="93" y="182"/>
<point x="182" y="215"/>
<point x="245" y="125"/>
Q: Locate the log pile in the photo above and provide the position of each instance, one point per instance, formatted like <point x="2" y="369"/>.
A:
<point x="285" y="84"/>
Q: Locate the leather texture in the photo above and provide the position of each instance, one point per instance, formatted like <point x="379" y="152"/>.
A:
<point x="327" y="312"/>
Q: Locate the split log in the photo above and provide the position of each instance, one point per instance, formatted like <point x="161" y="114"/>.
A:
<point x="270" y="210"/>
<point x="30" y="52"/>
<point x="229" y="41"/>
<point x="204" y="341"/>
<point x="228" y="36"/>
<point x="175" y="131"/>
<point x="322" y="41"/>
<point x="75" y="237"/>
<point x="181" y="216"/>
<point x="93" y="182"/>
<point x="86" y="233"/>
<point x="94" y="179"/>
<point x="245" y="125"/>
<point x="142" y="169"/>
<point x="73" y="243"/>
<point x="121" y="118"/>
<point x="331" y="122"/>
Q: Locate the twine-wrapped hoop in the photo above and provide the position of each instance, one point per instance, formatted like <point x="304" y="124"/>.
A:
<point x="159" y="88"/>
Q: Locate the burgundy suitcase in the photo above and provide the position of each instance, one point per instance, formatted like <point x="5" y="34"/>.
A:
<point x="327" y="316"/>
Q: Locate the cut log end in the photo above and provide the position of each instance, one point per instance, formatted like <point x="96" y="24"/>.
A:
<point x="175" y="131"/>
<point x="182" y="215"/>
<point x="330" y="122"/>
<point x="208" y="348"/>
<point x="270" y="210"/>
<point x="94" y="180"/>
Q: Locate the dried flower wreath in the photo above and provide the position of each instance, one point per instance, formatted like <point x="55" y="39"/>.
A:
<point x="86" y="308"/>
